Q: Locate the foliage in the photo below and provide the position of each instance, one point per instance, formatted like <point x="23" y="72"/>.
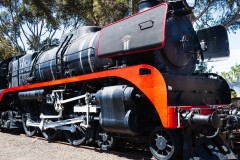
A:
<point x="202" y="68"/>
<point x="26" y="22"/>
<point x="232" y="75"/>
<point x="92" y="12"/>
<point x="106" y="12"/>
<point x="6" y="49"/>
<point x="215" y="12"/>
<point x="47" y="41"/>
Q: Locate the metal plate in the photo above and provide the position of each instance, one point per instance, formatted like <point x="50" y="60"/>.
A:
<point x="216" y="40"/>
<point x="138" y="33"/>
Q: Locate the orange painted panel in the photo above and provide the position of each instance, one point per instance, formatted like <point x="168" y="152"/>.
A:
<point x="152" y="85"/>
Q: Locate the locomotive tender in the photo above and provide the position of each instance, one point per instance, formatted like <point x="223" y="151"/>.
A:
<point x="131" y="80"/>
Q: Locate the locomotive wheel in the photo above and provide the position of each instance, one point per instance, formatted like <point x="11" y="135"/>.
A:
<point x="104" y="140"/>
<point x="50" y="134"/>
<point x="30" y="131"/>
<point x="163" y="143"/>
<point x="76" y="138"/>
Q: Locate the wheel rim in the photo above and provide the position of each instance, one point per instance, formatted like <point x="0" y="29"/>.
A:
<point x="104" y="140"/>
<point x="29" y="131"/>
<point x="50" y="134"/>
<point x="76" y="138"/>
<point x="163" y="144"/>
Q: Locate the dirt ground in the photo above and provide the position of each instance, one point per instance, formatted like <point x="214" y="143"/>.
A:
<point x="19" y="147"/>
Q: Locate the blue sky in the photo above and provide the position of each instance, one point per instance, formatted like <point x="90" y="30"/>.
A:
<point x="234" y="42"/>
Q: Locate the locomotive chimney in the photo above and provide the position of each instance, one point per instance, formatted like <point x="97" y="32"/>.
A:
<point x="145" y="4"/>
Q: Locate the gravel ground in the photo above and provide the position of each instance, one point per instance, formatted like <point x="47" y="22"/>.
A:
<point x="19" y="147"/>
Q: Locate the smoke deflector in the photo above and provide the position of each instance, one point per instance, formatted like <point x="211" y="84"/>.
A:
<point x="145" y="31"/>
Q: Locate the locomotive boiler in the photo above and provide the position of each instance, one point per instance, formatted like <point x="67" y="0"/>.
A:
<point x="132" y="80"/>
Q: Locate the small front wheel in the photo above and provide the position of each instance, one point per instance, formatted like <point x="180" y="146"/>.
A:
<point x="104" y="139"/>
<point x="164" y="143"/>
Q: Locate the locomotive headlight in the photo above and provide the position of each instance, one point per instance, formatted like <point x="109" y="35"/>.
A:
<point x="189" y="4"/>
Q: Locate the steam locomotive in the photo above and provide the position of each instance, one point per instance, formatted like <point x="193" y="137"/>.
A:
<point x="132" y="80"/>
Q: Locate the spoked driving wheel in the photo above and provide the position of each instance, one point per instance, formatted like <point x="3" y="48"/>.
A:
<point x="50" y="134"/>
<point x="104" y="140"/>
<point x="30" y="113"/>
<point x="77" y="137"/>
<point x="163" y="143"/>
<point x="30" y="131"/>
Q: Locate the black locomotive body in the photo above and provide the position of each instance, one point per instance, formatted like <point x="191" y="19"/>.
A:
<point x="130" y="80"/>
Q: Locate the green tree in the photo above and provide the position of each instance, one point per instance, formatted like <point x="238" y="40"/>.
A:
<point x="109" y="11"/>
<point x="91" y="12"/>
<point x="202" y="67"/>
<point x="215" y="12"/>
<point x="232" y="75"/>
<point x="26" y="22"/>
<point x="6" y="49"/>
